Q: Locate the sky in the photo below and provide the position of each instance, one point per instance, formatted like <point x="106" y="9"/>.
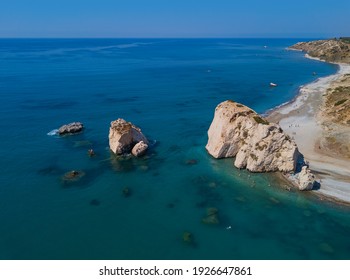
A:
<point x="174" y="18"/>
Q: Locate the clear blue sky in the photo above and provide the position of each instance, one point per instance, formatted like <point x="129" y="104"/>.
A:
<point x="174" y="18"/>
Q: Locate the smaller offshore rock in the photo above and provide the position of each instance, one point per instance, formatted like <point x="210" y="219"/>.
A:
<point x="71" y="128"/>
<point x="211" y="217"/>
<point x="123" y="136"/>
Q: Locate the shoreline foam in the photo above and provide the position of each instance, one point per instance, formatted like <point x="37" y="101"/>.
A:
<point x="299" y="118"/>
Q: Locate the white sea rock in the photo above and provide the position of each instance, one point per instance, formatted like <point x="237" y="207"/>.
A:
<point x="139" y="149"/>
<point x="123" y="136"/>
<point x="259" y="146"/>
<point x="306" y="180"/>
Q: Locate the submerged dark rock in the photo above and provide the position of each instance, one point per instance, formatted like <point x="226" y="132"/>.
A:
<point x="73" y="176"/>
<point x="126" y="192"/>
<point x="95" y="202"/>
<point x="212" y="216"/>
<point x="191" y="162"/>
<point x="187" y="237"/>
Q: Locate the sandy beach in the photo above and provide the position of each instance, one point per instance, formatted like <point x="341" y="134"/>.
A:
<point x="303" y="120"/>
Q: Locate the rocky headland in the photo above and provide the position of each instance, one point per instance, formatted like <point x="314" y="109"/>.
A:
<point x="333" y="50"/>
<point x="254" y="143"/>
<point x="257" y="145"/>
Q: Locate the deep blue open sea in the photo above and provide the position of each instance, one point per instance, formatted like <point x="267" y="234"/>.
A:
<point x="169" y="88"/>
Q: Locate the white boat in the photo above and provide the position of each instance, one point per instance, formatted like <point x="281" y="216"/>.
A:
<point x="273" y="85"/>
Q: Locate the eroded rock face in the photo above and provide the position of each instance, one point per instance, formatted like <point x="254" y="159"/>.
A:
<point x="306" y="180"/>
<point x="123" y="136"/>
<point x="71" y="128"/>
<point x="139" y="149"/>
<point x="259" y="146"/>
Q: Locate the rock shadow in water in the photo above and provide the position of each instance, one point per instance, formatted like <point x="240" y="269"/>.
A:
<point x="128" y="163"/>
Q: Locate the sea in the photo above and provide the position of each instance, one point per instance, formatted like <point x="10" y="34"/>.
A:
<point x="155" y="207"/>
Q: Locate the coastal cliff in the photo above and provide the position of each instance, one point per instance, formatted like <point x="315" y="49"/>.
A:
<point x="257" y="145"/>
<point x="333" y="50"/>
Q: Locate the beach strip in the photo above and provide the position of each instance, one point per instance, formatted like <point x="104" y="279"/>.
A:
<point x="300" y="119"/>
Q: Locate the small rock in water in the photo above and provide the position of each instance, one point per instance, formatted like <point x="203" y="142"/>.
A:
<point x="71" y="128"/>
<point x="212" y="216"/>
<point x="187" y="237"/>
<point x="126" y="192"/>
<point x="91" y="153"/>
<point x="73" y="176"/>
<point x="94" y="202"/>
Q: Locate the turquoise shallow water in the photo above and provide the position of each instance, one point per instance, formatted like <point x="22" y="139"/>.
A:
<point x="170" y="89"/>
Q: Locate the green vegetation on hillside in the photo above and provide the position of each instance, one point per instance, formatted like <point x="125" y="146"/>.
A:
<point x="260" y="120"/>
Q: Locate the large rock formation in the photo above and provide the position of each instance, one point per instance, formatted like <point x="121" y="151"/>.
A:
<point x="71" y="128"/>
<point x="260" y="146"/>
<point x="306" y="180"/>
<point x="334" y="50"/>
<point x="123" y="136"/>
